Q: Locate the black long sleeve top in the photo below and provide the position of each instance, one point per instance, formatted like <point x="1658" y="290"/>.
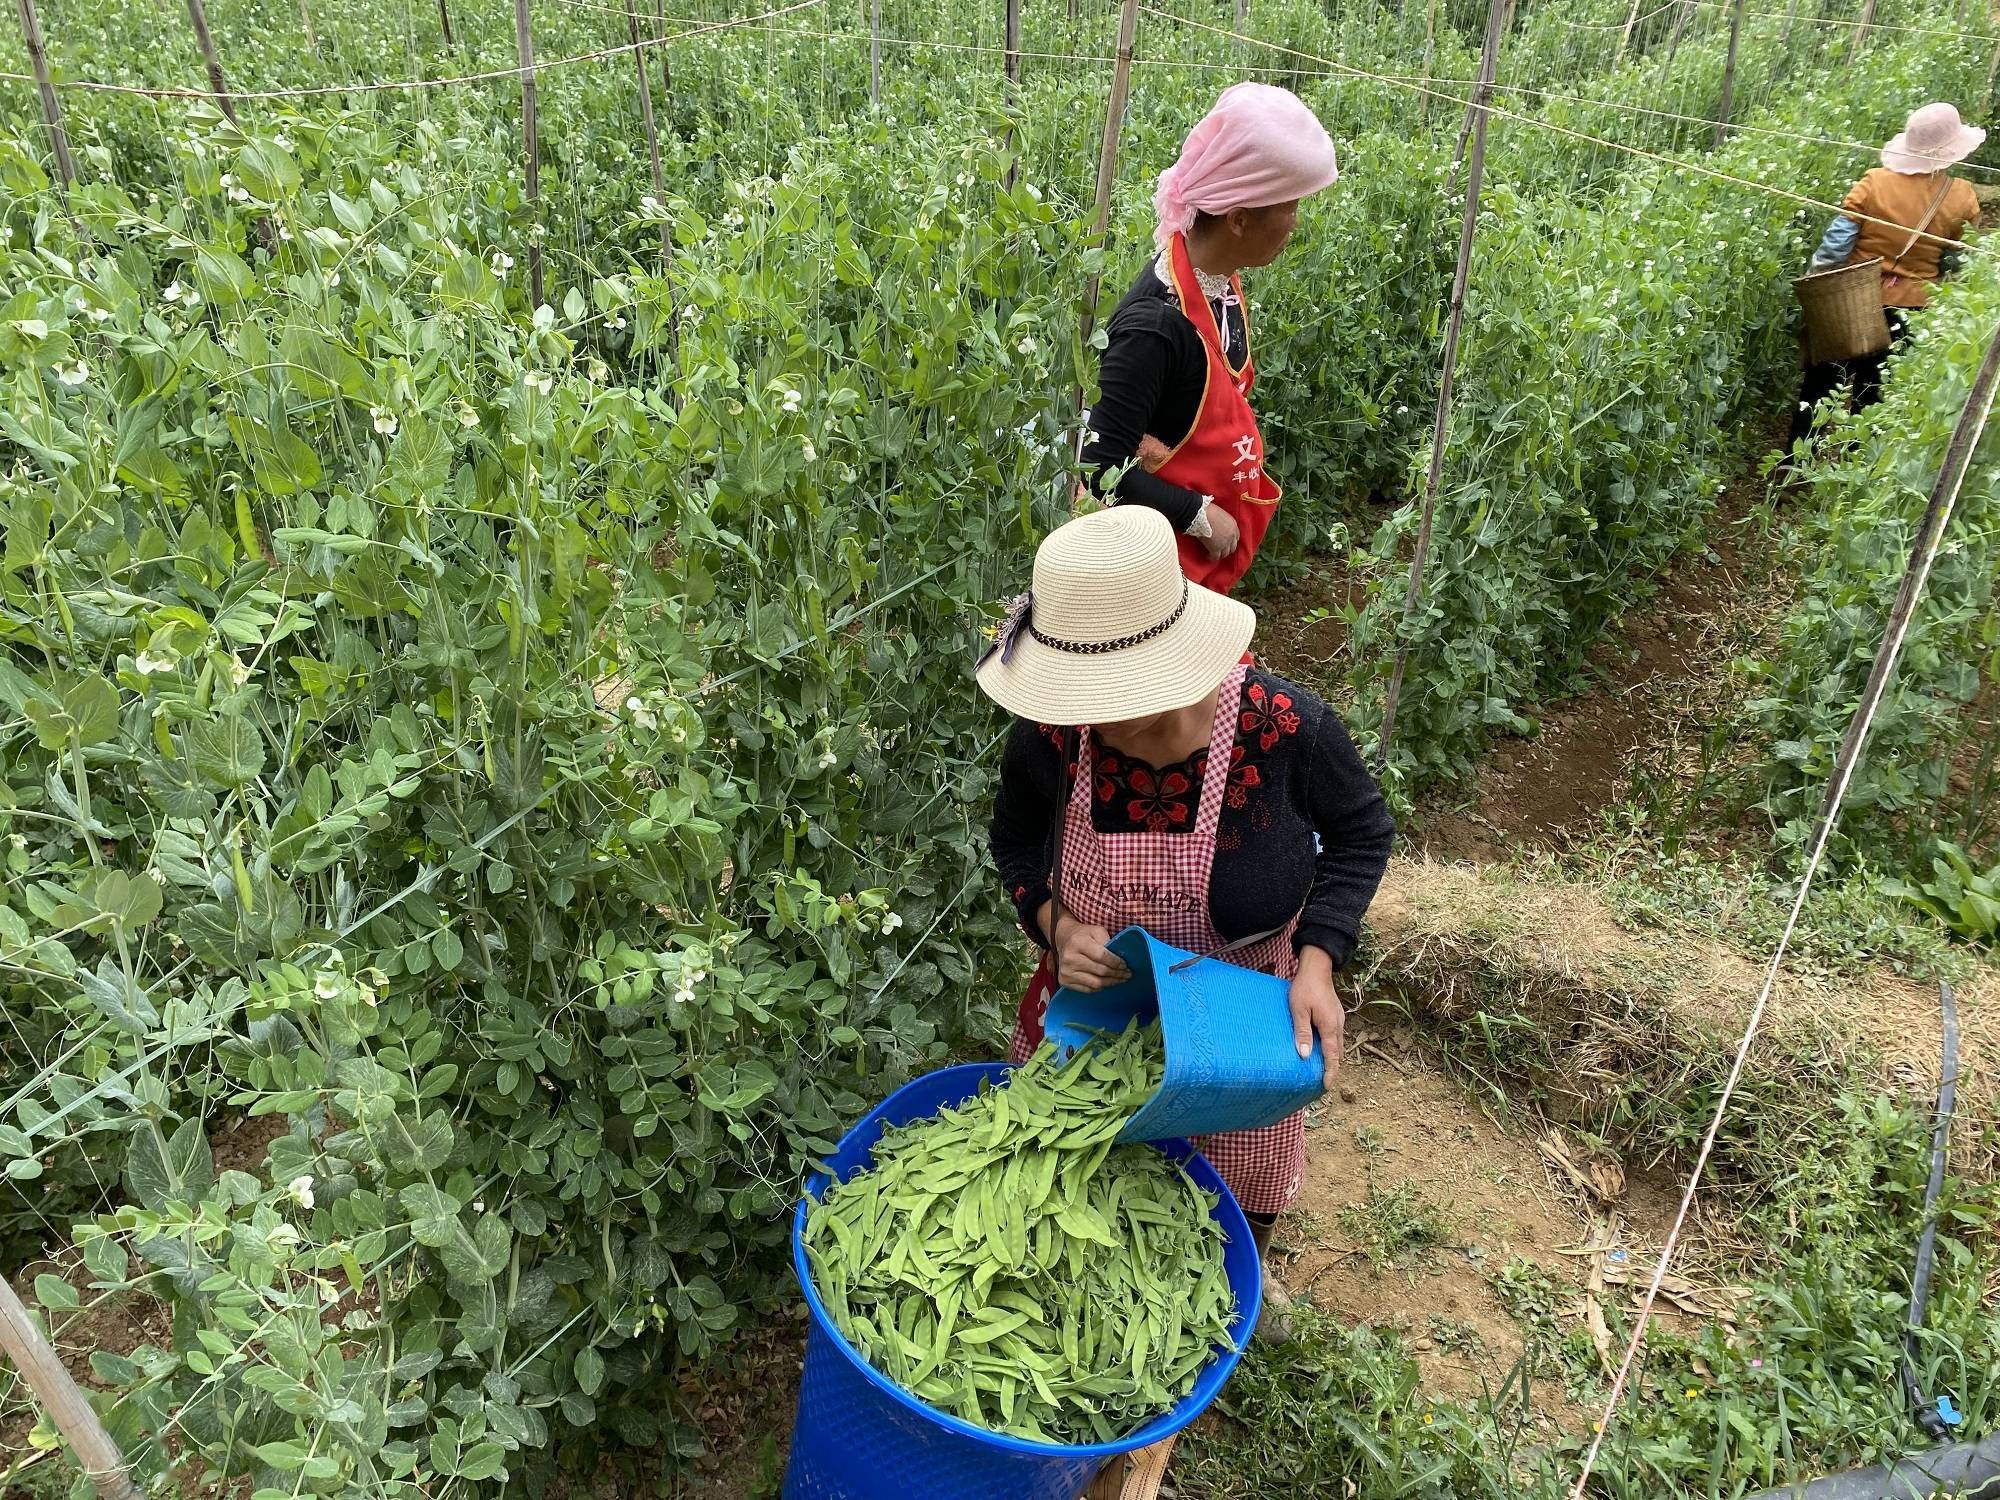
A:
<point x="1294" y="774"/>
<point x="1150" y="382"/>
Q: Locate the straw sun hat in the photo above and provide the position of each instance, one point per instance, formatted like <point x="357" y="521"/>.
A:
<point x="1112" y="631"/>
<point x="1933" y="138"/>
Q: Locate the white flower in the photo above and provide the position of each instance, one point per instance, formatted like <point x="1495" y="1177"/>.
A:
<point x="385" y="420"/>
<point x="239" y="195"/>
<point x="535" y="380"/>
<point x="332" y="279"/>
<point x="281" y="1237"/>
<point x="301" y="1189"/>
<point x="18" y="840"/>
<point x="75" y="374"/>
<point x="1033" y="192"/>
<point x="502" y="262"/>
<point x="680" y="735"/>
<point x="98" y="314"/>
<point x="599" y="372"/>
<point x="650" y="204"/>
<point x="239" y="672"/>
<point x="891" y="922"/>
<point x="792" y="400"/>
<point x="148" y="662"/>
<point x="467" y="417"/>
<point x="684" y="996"/>
<point x="282" y="141"/>
<point x="326" y="985"/>
<point x="812" y="453"/>
<point x="1026" y="346"/>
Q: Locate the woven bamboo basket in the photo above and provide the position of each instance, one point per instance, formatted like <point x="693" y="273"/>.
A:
<point x="1843" y="312"/>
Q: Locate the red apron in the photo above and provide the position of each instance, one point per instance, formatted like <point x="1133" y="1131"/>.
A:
<point x="1160" y="881"/>
<point x="1223" y="453"/>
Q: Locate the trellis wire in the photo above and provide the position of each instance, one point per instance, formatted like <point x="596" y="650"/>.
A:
<point x="1475" y="121"/>
<point x="1965" y="438"/>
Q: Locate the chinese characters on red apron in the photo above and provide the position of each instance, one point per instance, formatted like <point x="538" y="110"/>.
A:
<point x="1223" y="453"/>
<point x="1160" y="881"/>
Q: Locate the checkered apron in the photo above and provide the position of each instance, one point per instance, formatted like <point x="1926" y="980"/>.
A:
<point x="1160" y="881"/>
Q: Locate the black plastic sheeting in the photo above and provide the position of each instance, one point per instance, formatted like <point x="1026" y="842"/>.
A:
<point x="1963" y="1471"/>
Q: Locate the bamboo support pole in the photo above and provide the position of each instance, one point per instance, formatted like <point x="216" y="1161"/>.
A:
<point x="666" y="60"/>
<point x="218" y="82"/>
<point x="22" y="1342"/>
<point x="875" y="53"/>
<point x="1476" y="117"/>
<point x="1791" y="15"/>
<point x="652" y="132"/>
<point x="1728" y="101"/>
<point x="1012" y="45"/>
<point x="1958" y="456"/>
<point x="444" y="21"/>
<point x="1107" y="163"/>
<point x="1681" y="19"/>
<point x="52" y="115"/>
<point x="1631" y="21"/>
<point x="524" y="44"/>
<point x="306" y="19"/>
<point x="1861" y="29"/>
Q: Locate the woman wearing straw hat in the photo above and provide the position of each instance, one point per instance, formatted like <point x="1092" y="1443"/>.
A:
<point x="1172" y="429"/>
<point x="1898" y="213"/>
<point x="1176" y="788"/>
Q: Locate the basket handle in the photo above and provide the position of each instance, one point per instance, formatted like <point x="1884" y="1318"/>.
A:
<point x="1229" y="947"/>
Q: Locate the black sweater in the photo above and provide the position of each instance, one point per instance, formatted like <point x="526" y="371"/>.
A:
<point x="1150" y="380"/>
<point x="1295" y="774"/>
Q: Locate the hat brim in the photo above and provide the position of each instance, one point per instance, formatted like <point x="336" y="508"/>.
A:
<point x="1176" y="668"/>
<point x="1898" y="157"/>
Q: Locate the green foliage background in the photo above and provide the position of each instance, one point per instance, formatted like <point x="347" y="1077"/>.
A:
<point x="525" y="753"/>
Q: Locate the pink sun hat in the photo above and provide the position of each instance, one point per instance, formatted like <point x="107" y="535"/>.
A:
<point x="1260" y="145"/>
<point x="1933" y="138"/>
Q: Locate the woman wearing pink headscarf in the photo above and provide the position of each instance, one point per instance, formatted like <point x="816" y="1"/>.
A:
<point x="1173" y="419"/>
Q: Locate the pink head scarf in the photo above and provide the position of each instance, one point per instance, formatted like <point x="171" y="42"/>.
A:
<point x="1260" y="145"/>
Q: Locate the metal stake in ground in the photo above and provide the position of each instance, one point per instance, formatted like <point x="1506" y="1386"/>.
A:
<point x="524" y="44"/>
<point x="31" y="35"/>
<point x="1476" y="115"/>
<point x="218" y="83"/>
<point x="1944" y="495"/>
<point x="1107" y="171"/>
<point x="75" y="1419"/>
<point x="1729" y="75"/>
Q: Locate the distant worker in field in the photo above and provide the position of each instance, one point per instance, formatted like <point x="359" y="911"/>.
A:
<point x="1173" y="419"/>
<point x="1898" y="213"/>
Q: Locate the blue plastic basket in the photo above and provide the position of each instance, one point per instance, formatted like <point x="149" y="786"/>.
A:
<point x="1232" y="1061"/>
<point x="861" y="1437"/>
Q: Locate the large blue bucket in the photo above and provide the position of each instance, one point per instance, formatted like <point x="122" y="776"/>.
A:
<point x="1232" y="1060"/>
<point x="860" y="1437"/>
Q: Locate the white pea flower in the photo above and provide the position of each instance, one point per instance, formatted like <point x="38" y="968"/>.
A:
<point x="891" y="922"/>
<point x="284" y="233"/>
<point x="599" y="372"/>
<point x="282" y="141"/>
<point x="18" y="840"/>
<point x="614" y="321"/>
<point x="385" y="420"/>
<point x="792" y="400"/>
<point x="502" y="262"/>
<point x="239" y="672"/>
<point x="467" y="417"/>
<point x="812" y="453"/>
<point x="75" y="374"/>
<point x="98" y="314"/>
<point x="1033" y="192"/>
<point x="148" y="662"/>
<point x="326" y="985"/>
<point x="332" y="279"/>
<point x="684" y="995"/>
<point x="650" y="204"/>
<point x="239" y="195"/>
<point x="1027" y="345"/>
<point x="301" y="1189"/>
<point x="680" y="735"/>
<point x="536" y="380"/>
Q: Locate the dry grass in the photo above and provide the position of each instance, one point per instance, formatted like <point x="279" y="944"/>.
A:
<point x="1627" y="1034"/>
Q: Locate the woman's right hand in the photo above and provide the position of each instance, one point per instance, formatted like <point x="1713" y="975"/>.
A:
<point x="1223" y="533"/>
<point x="1083" y="958"/>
